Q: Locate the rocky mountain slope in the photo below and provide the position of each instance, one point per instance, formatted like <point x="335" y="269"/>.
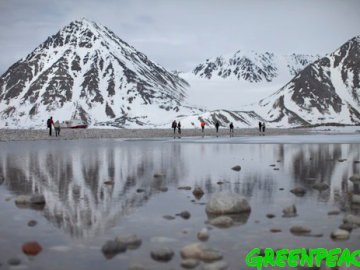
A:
<point x="253" y="66"/>
<point x="85" y="71"/>
<point x="326" y="91"/>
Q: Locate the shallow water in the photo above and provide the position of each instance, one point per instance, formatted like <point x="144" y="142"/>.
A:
<point x="82" y="213"/>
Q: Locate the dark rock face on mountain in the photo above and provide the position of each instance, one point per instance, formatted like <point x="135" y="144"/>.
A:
<point x="326" y="91"/>
<point x="253" y="67"/>
<point x="86" y="71"/>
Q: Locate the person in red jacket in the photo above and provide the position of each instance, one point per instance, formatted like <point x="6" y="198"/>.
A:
<point x="202" y="124"/>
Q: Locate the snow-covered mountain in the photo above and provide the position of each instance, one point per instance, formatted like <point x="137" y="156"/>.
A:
<point x="253" y="66"/>
<point x="85" y="71"/>
<point x="242" y="78"/>
<point x="326" y="91"/>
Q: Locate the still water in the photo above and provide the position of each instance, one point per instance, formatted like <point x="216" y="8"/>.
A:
<point x="82" y="213"/>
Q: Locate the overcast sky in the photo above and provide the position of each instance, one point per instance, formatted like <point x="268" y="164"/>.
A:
<point x="180" y="34"/>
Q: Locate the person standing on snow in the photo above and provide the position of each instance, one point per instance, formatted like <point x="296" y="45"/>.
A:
<point x="202" y="124"/>
<point x="179" y="127"/>
<point x="217" y="126"/>
<point x="50" y="124"/>
<point x="174" y="125"/>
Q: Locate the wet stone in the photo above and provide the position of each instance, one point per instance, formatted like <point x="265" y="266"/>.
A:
<point x="109" y="183"/>
<point x="112" y="247"/>
<point x="298" y="191"/>
<point x="352" y="219"/>
<point x="131" y="241"/>
<point x="184" y="188"/>
<point x="340" y="234"/>
<point x="355" y="178"/>
<point x="140" y="190"/>
<point x="168" y="217"/>
<point x="355" y="198"/>
<point x="220" y="182"/>
<point x="198" y="192"/>
<point x="201" y="252"/>
<point x="275" y="230"/>
<point x="159" y="175"/>
<point x="227" y="203"/>
<point x="236" y="168"/>
<point x="347" y="227"/>
<point x="299" y="230"/>
<point x="203" y="234"/>
<point x="270" y="216"/>
<point x="189" y="263"/>
<point x="31" y="248"/>
<point x="14" y="261"/>
<point x="333" y="212"/>
<point x="320" y="186"/>
<point x="220" y="265"/>
<point x="184" y="214"/>
<point x="32" y="223"/>
<point x="290" y="211"/>
<point x="163" y="189"/>
<point x="162" y="254"/>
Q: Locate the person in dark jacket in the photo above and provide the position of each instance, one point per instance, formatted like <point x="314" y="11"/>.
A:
<point x="50" y="123"/>
<point x="179" y="127"/>
<point x="260" y="126"/>
<point x="263" y="127"/>
<point x="174" y="125"/>
<point x="231" y="129"/>
<point x="217" y="124"/>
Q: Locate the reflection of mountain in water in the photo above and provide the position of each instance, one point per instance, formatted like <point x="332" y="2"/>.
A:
<point x="72" y="180"/>
<point x="71" y="175"/>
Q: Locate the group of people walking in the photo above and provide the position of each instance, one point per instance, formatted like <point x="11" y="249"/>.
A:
<point x="176" y="126"/>
<point x="50" y="123"/>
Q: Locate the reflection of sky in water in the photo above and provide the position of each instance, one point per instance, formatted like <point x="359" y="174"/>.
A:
<point x="71" y="175"/>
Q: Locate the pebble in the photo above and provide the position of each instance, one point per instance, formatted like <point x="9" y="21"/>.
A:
<point x="270" y="216"/>
<point x="236" y="168"/>
<point x="355" y="198"/>
<point x="290" y="211"/>
<point x="14" y="261"/>
<point x="189" y="263"/>
<point x="140" y="190"/>
<point x="184" y="188"/>
<point x="272" y="165"/>
<point x="203" y="234"/>
<point x="333" y="212"/>
<point x="220" y="182"/>
<point x="198" y="192"/>
<point x="352" y="219"/>
<point x="168" y="217"/>
<point x="162" y="254"/>
<point x="31" y="248"/>
<point x="184" y="214"/>
<point x="340" y="234"/>
<point x="275" y="230"/>
<point x="320" y="186"/>
<point x="201" y="252"/>
<point x="299" y="230"/>
<point x="110" y="182"/>
<point x="159" y="175"/>
<point x="32" y="223"/>
<point x="298" y="191"/>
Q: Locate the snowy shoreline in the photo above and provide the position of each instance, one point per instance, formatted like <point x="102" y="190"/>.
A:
<point x="76" y="134"/>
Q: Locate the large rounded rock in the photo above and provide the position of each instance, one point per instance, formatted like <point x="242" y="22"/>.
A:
<point x="227" y="203"/>
<point x="198" y="192"/>
<point x="236" y="168"/>
<point x="355" y="198"/>
<point x="320" y="186"/>
<point x="30" y="199"/>
<point x="162" y="254"/>
<point x="31" y="248"/>
<point x="200" y="251"/>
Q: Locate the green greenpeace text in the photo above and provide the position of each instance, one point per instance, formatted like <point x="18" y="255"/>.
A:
<point x="336" y="257"/>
